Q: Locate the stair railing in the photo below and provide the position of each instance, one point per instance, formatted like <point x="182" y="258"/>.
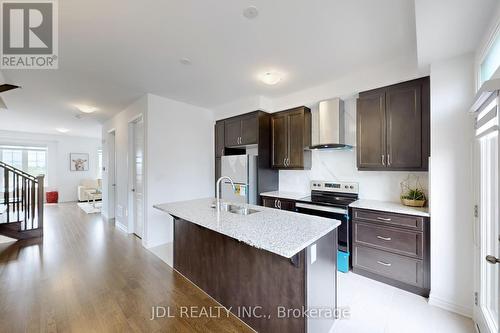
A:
<point x="23" y="198"/>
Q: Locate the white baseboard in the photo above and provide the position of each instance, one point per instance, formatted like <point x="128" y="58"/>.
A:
<point x="121" y="227"/>
<point x="453" y="307"/>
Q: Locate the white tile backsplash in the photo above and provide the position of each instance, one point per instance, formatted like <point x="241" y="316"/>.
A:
<point x="341" y="166"/>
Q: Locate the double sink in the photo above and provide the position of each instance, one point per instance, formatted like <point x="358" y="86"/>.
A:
<point x="235" y="209"/>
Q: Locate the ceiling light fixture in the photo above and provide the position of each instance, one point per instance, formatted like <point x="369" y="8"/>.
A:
<point x="62" y="130"/>
<point x="270" y="78"/>
<point x="251" y="12"/>
<point x="86" y="108"/>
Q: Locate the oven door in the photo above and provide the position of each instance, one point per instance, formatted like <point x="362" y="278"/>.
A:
<point x="340" y="214"/>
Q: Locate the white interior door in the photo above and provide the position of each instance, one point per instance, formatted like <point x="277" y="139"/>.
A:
<point x="486" y="312"/>
<point x="111" y="175"/>
<point x="138" y="177"/>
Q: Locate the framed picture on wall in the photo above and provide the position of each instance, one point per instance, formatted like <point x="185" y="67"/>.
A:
<point x="79" y="162"/>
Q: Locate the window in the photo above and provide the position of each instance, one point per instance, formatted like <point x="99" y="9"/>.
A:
<point x="32" y="160"/>
<point x="491" y="61"/>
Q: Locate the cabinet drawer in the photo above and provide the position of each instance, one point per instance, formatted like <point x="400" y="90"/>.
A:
<point x="404" y="269"/>
<point x="401" y="241"/>
<point x="413" y="222"/>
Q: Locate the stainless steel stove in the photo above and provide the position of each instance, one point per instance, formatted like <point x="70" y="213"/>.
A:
<point x="332" y="200"/>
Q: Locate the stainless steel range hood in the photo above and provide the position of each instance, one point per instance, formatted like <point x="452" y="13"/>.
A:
<point x="331" y="127"/>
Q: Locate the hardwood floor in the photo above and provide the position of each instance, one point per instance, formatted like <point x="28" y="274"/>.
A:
<point x="87" y="276"/>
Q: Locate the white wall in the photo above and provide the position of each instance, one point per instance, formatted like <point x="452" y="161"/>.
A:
<point x="119" y="124"/>
<point x="452" y="88"/>
<point x="59" y="147"/>
<point x="178" y="160"/>
<point x="180" y="164"/>
<point x="243" y="105"/>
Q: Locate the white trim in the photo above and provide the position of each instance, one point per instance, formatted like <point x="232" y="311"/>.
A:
<point x="121" y="227"/>
<point x="453" y="307"/>
<point x="131" y="170"/>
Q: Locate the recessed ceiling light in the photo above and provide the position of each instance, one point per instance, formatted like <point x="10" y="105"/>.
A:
<point x="62" y="130"/>
<point x="270" y="78"/>
<point x="185" y="61"/>
<point x="86" y="108"/>
<point x="251" y="12"/>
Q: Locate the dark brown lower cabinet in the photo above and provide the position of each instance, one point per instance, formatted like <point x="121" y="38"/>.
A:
<point x="392" y="248"/>
<point x="284" y="204"/>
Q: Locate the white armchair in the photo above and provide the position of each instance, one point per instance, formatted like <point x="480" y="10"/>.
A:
<point x="86" y="185"/>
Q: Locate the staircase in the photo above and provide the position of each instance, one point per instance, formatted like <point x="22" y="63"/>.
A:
<point x="21" y="211"/>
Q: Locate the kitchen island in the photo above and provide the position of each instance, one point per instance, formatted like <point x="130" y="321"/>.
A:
<point x="267" y="267"/>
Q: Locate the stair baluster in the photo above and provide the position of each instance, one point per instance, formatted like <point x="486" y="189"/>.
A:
<point x="23" y="203"/>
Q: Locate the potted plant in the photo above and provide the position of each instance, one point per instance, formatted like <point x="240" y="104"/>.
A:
<point x="412" y="196"/>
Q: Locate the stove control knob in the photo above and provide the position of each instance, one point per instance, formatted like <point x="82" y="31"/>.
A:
<point x="346" y="186"/>
<point x="351" y="187"/>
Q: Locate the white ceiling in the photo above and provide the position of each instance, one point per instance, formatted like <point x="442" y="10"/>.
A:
<point x="447" y="28"/>
<point x="113" y="51"/>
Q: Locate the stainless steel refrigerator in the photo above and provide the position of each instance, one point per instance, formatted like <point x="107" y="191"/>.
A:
<point x="242" y="169"/>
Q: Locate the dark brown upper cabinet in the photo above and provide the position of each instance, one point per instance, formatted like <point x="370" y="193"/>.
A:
<point x="219" y="138"/>
<point x="290" y="138"/>
<point x="242" y="130"/>
<point x="393" y="125"/>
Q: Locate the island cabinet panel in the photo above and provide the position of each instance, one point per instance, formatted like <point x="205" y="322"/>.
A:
<point x="393" y="127"/>
<point x="240" y="276"/>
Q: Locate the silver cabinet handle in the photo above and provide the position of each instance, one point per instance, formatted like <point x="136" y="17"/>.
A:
<point x="384" y="238"/>
<point x="284" y="161"/>
<point x="383" y="160"/>
<point x="222" y="151"/>
<point x="384" y="263"/>
<point x="383" y="219"/>
<point x="275" y="203"/>
<point x="279" y="204"/>
<point x="389" y="159"/>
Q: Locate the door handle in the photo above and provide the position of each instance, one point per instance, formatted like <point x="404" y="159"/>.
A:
<point x="383" y="159"/>
<point x="279" y="204"/>
<point x="275" y="203"/>
<point x="384" y="238"/>
<point x="383" y="219"/>
<point x="492" y="260"/>
<point x="389" y="159"/>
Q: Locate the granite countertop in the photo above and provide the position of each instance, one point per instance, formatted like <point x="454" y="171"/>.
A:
<point x="392" y="207"/>
<point x="285" y="195"/>
<point x="281" y="232"/>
